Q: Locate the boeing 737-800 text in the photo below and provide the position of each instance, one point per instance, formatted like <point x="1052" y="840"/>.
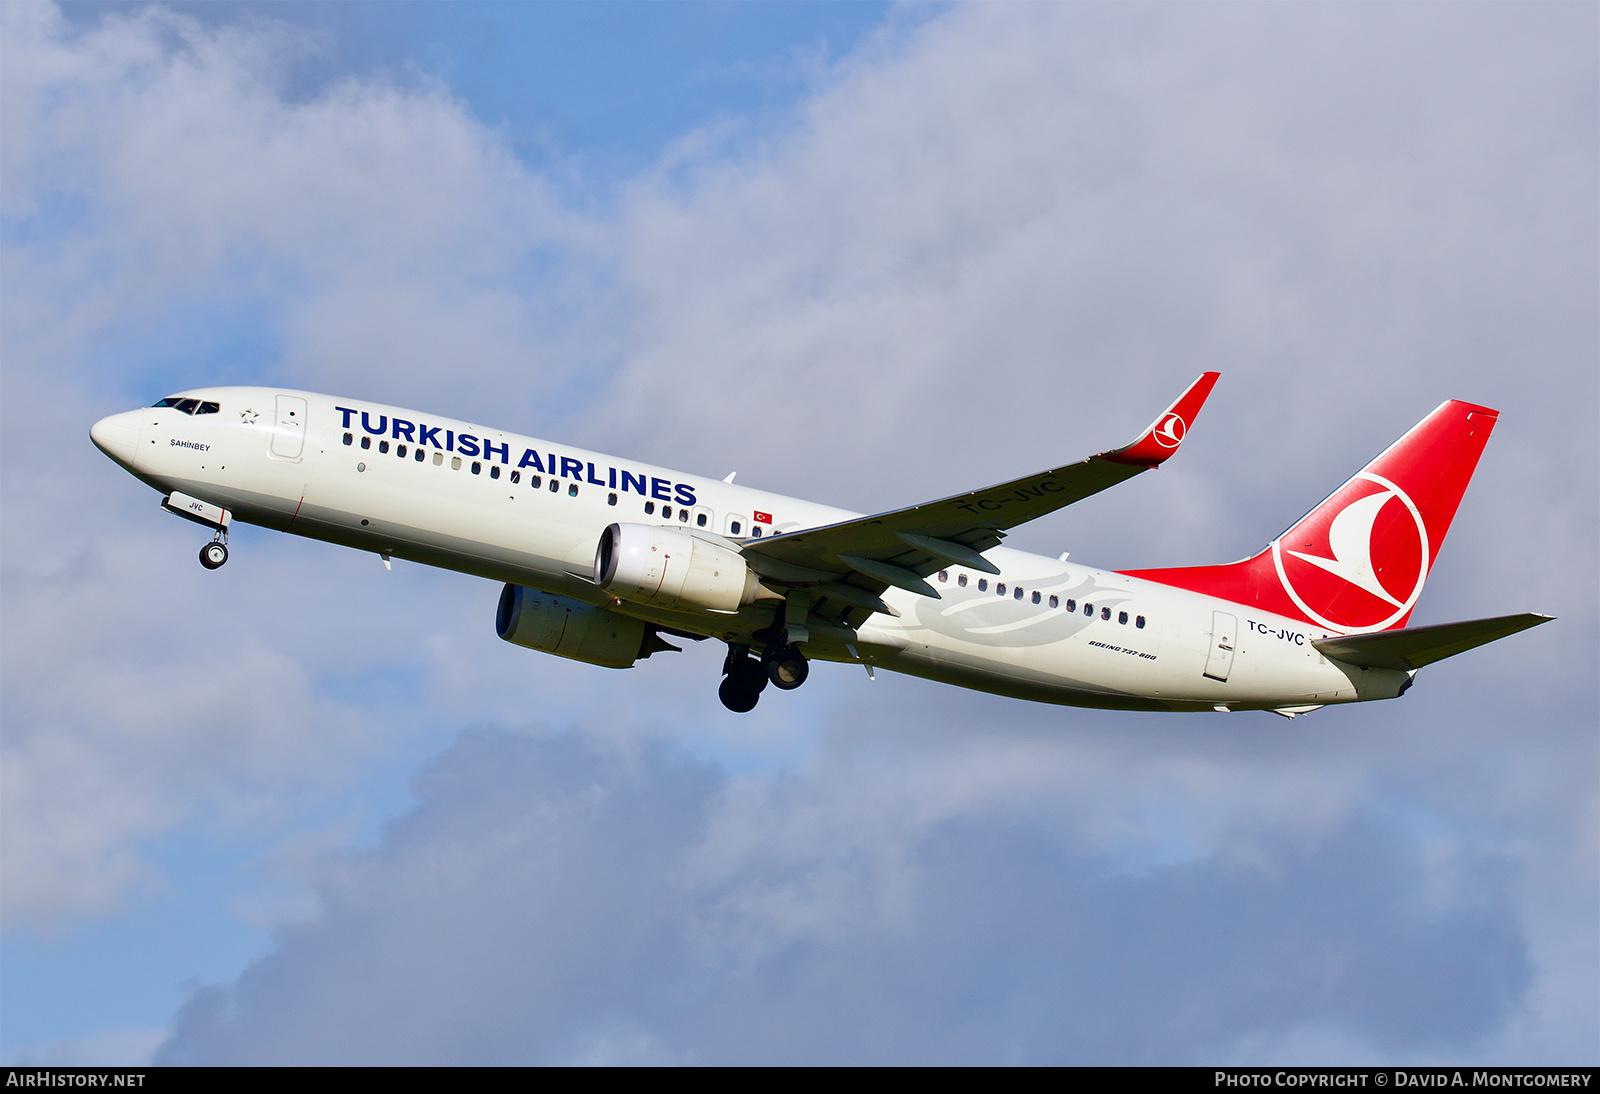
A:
<point x="602" y="557"/>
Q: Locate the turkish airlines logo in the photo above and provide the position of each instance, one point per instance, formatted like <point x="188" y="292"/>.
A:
<point x="1374" y="566"/>
<point x="1169" y="431"/>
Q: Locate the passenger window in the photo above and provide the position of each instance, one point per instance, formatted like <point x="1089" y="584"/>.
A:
<point x="734" y="528"/>
<point x="1122" y="617"/>
<point x="422" y="455"/>
<point x="383" y="446"/>
<point x="1088" y="609"/>
<point x="1055" y="602"/>
<point x="477" y="467"/>
<point x="755" y="530"/>
<point x="961" y="579"/>
<point x="666" y="512"/>
<point x="366" y="442"/>
<point x="983" y="584"/>
<point x="1000" y="589"/>
<point x="683" y="516"/>
<point x="944" y="575"/>
<point x="611" y="499"/>
<point x="699" y="520"/>
<point x="516" y="477"/>
<point x="1036" y="598"/>
<point x="349" y="440"/>
<point x="1139" y="622"/>
<point x="1072" y="605"/>
<point x="555" y="487"/>
<point x="572" y="490"/>
<point x="650" y="507"/>
<point x="400" y="450"/>
<point x="438" y="459"/>
<point x="494" y="471"/>
<point x="534" y="482"/>
<point x="1017" y="595"/>
<point x="1105" y="613"/>
<point x="455" y="461"/>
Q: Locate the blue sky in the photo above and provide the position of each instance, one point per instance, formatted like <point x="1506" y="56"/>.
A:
<point x="594" y="90"/>
<point x="301" y="808"/>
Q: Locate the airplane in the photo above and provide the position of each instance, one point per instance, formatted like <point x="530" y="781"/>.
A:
<point x="604" y="558"/>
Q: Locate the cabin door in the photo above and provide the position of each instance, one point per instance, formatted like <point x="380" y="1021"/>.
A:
<point x="1224" y="637"/>
<point x="289" y="427"/>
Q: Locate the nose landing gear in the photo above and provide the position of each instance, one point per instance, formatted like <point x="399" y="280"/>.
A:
<point x="213" y="554"/>
<point x="215" y="517"/>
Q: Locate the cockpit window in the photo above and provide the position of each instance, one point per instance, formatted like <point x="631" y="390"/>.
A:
<point x="189" y="406"/>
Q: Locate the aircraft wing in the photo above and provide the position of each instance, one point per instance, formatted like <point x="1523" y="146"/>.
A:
<point x="855" y="560"/>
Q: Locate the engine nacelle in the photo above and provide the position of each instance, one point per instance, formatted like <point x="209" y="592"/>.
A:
<point x="667" y="568"/>
<point x="571" y="628"/>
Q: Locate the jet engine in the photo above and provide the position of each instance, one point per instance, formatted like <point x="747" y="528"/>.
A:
<point x="667" y="568"/>
<point x="571" y="628"/>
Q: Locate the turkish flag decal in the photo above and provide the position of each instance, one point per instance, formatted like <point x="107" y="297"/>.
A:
<point x="763" y="518"/>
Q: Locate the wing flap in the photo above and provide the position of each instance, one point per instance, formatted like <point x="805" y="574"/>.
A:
<point x="1415" y="647"/>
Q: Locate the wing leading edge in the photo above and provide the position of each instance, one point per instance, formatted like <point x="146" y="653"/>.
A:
<point x="854" y="561"/>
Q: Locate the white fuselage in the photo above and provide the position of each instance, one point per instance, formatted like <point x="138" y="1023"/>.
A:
<point x="295" y="461"/>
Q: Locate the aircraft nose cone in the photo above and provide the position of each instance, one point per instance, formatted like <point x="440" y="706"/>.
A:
<point x="118" y="436"/>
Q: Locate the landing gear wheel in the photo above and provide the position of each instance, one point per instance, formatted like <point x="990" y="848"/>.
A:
<point x="213" y="554"/>
<point x="744" y="678"/>
<point x="737" y="696"/>
<point x="789" y="669"/>
<point x="748" y="675"/>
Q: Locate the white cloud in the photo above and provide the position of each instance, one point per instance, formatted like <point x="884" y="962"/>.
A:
<point x="1010" y="242"/>
<point x="556" y="899"/>
<point x="390" y="240"/>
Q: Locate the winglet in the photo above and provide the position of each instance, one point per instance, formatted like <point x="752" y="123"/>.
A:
<point x="1166" y="433"/>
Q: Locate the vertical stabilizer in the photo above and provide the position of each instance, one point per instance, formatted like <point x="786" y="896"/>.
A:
<point x="1358" y="561"/>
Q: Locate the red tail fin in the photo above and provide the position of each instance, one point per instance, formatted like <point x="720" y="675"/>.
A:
<point x="1358" y="561"/>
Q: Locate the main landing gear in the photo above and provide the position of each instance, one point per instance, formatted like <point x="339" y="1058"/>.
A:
<point x="744" y="680"/>
<point x="788" y="668"/>
<point x="745" y="677"/>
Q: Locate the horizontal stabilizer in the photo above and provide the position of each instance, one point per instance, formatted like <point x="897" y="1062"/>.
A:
<point x="1414" y="647"/>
